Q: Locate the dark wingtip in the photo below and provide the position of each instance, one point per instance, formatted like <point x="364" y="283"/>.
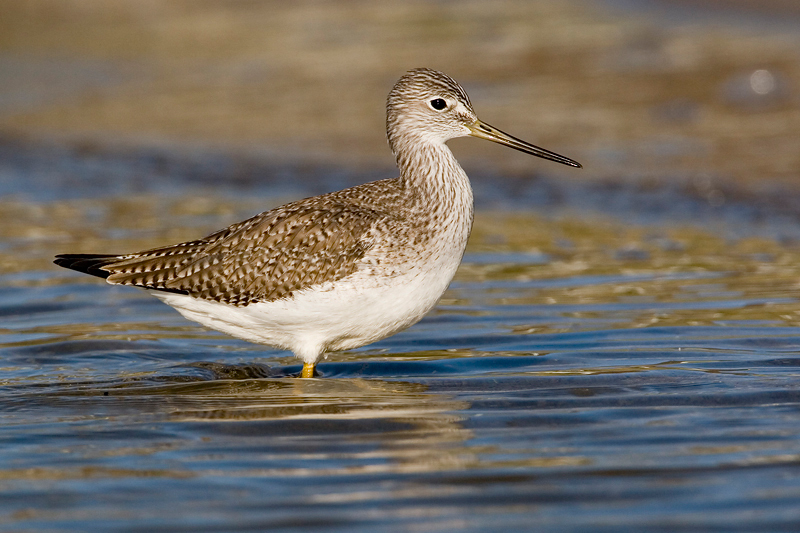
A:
<point x="87" y="263"/>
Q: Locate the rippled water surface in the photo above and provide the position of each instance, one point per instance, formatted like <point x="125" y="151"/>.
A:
<point x="581" y="374"/>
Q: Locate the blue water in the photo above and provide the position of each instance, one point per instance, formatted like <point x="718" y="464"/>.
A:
<point x="613" y="383"/>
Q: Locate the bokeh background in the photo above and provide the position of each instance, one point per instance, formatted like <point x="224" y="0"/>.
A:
<point x="638" y="90"/>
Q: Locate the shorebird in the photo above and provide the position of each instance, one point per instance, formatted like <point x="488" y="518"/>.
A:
<point x="344" y="269"/>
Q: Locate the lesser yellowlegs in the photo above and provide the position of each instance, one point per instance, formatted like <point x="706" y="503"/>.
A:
<point x="341" y="270"/>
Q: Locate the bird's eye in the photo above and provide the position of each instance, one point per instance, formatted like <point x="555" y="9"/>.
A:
<point x="438" y="104"/>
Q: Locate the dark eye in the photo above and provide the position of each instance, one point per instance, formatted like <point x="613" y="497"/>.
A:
<point x="438" y="104"/>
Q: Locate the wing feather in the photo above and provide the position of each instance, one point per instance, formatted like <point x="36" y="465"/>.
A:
<point x="267" y="257"/>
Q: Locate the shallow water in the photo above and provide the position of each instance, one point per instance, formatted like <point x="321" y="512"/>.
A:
<point x="582" y="373"/>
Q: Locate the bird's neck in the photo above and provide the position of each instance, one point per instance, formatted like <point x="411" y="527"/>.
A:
<point x="431" y="169"/>
<point x="439" y="192"/>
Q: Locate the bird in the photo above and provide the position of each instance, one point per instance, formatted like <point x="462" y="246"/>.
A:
<point x="344" y="269"/>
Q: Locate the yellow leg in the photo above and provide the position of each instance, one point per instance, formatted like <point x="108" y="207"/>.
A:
<point x="308" y="370"/>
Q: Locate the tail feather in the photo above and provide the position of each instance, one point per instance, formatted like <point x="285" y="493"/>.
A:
<point x="95" y="264"/>
<point x="88" y="263"/>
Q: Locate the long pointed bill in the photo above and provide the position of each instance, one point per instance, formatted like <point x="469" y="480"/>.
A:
<point x="482" y="130"/>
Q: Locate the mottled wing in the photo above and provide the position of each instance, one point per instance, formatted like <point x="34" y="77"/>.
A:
<point x="264" y="258"/>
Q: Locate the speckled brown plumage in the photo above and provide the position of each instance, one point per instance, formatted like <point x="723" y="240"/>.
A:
<point x="270" y="255"/>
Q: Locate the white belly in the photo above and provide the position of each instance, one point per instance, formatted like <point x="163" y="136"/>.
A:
<point x="351" y="312"/>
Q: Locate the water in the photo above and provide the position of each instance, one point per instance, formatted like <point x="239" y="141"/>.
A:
<point x="583" y="372"/>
